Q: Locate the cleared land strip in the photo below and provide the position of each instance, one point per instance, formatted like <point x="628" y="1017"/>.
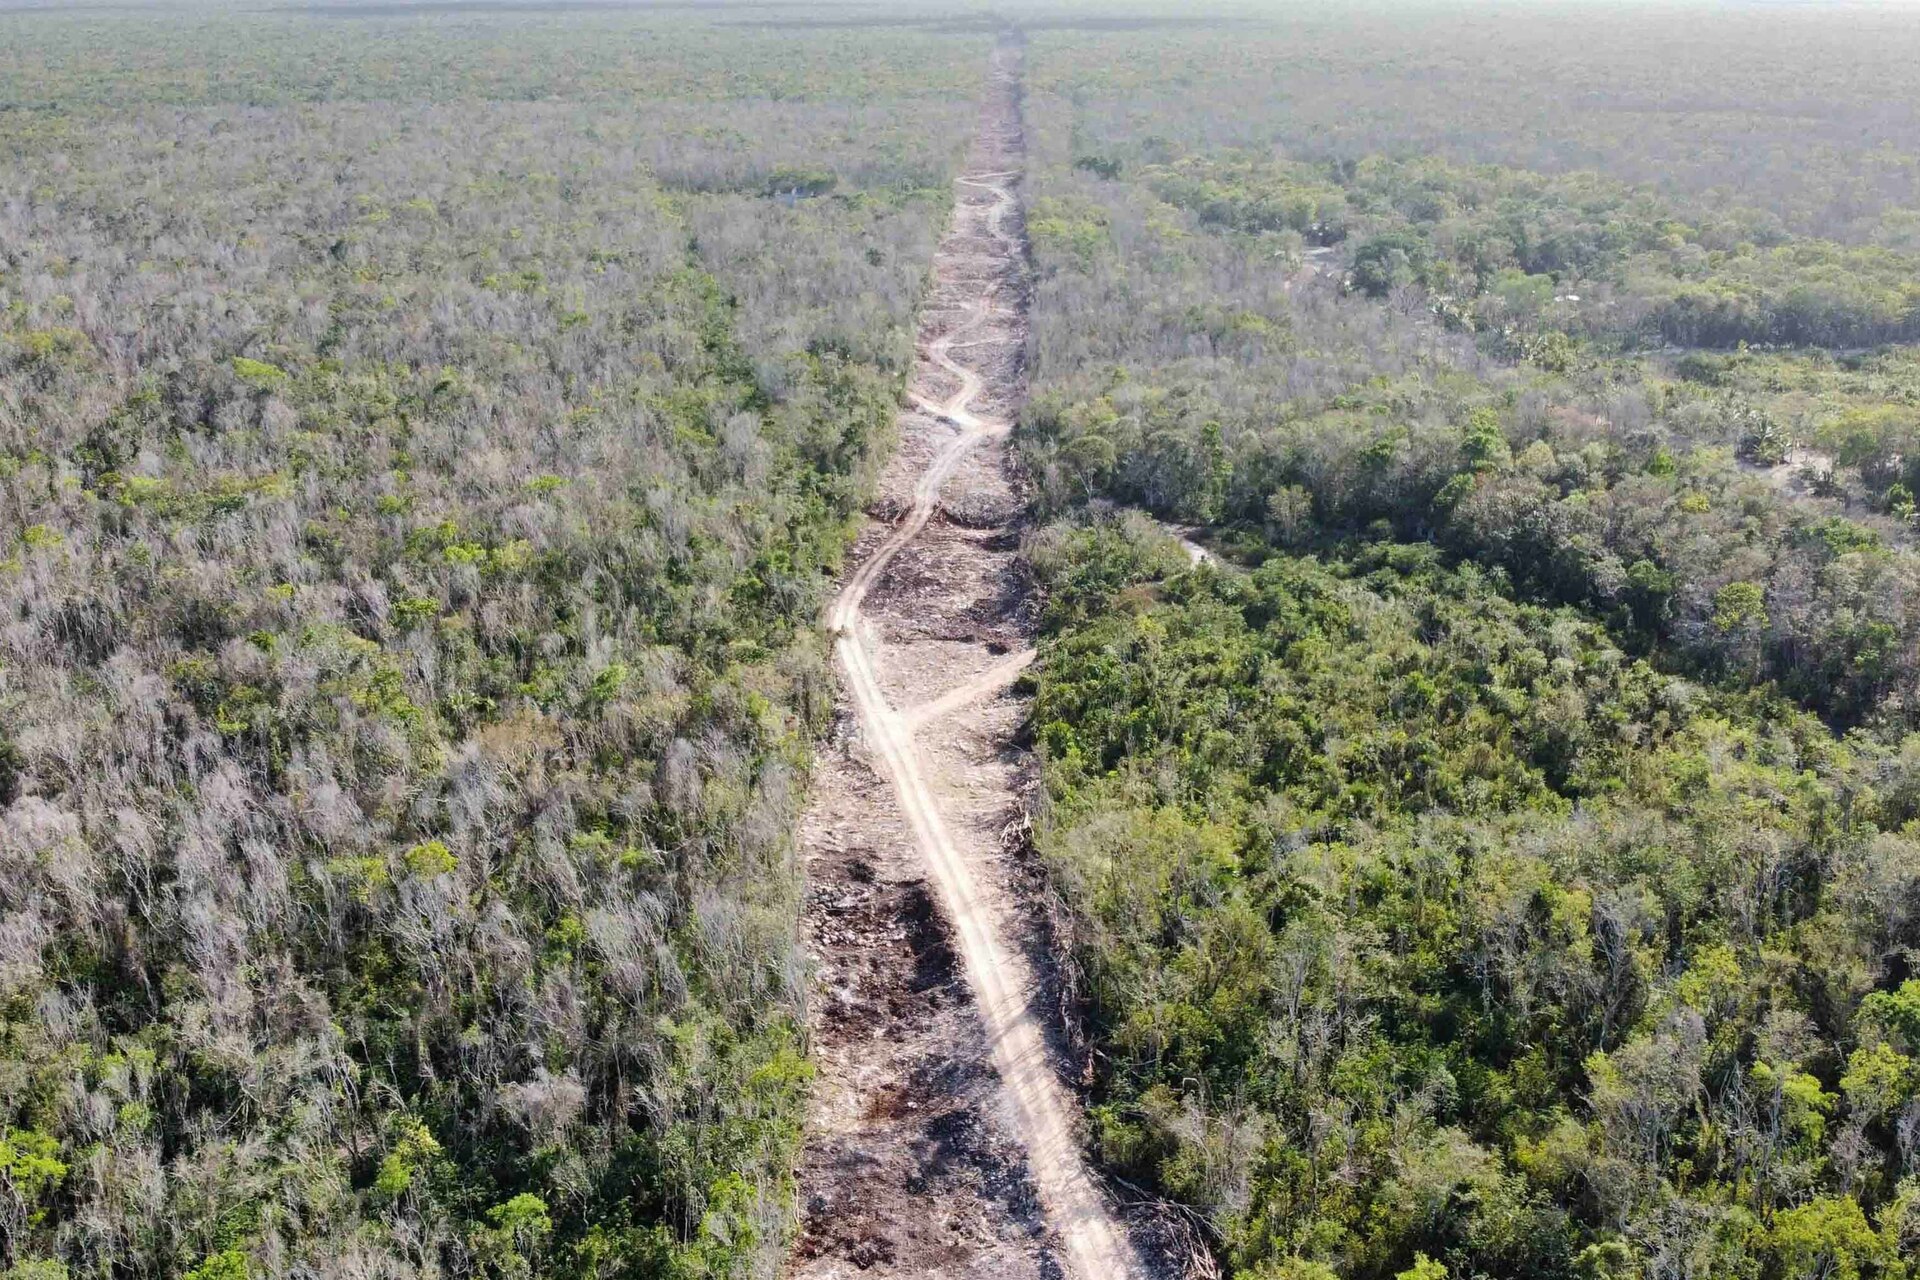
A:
<point x="926" y="622"/>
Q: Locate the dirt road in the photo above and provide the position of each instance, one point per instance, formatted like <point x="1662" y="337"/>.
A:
<point x="929" y="632"/>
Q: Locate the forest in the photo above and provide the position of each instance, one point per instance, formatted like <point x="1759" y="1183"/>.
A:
<point x="431" y="432"/>
<point x="1495" y="859"/>
<point x="425" y="446"/>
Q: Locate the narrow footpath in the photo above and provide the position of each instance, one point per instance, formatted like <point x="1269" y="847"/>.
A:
<point x="942" y="1142"/>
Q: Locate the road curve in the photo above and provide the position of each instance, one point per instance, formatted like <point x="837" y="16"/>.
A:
<point x="1094" y="1245"/>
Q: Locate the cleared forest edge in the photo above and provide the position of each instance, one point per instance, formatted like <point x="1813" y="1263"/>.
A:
<point x="930" y="631"/>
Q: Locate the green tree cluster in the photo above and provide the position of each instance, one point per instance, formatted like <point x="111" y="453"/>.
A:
<point x="1426" y="929"/>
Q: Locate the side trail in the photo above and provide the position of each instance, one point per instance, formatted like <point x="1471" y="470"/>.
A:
<point x="942" y="1142"/>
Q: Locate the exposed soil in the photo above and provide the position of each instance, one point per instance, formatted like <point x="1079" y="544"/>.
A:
<point x="1796" y="475"/>
<point x="942" y="1141"/>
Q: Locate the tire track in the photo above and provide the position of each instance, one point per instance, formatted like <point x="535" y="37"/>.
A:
<point x="1095" y="1247"/>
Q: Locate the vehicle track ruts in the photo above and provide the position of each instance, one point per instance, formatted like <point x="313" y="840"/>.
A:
<point x="913" y="650"/>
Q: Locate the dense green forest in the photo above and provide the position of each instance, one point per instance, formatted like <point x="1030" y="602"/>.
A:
<point x="1499" y="860"/>
<point x="424" y="445"/>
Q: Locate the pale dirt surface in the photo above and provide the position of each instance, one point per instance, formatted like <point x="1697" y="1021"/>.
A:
<point x="1184" y="534"/>
<point x="1797" y="475"/>
<point x="993" y="681"/>
<point x="942" y="1142"/>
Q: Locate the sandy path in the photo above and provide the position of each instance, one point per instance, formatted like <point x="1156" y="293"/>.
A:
<point x="1095" y="1246"/>
<point x="902" y="638"/>
<point x="990" y="681"/>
